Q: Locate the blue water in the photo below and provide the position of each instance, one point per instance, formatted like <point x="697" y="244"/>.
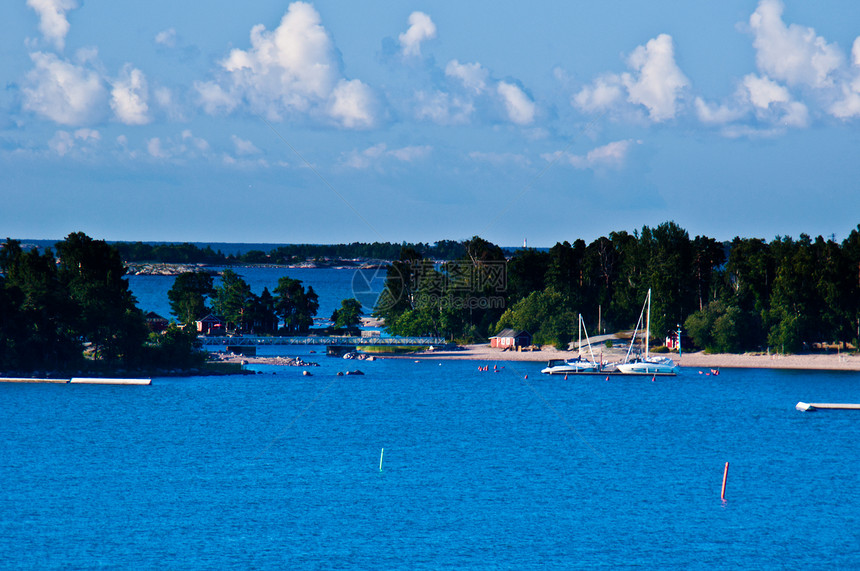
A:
<point x="481" y="470"/>
<point x="331" y="285"/>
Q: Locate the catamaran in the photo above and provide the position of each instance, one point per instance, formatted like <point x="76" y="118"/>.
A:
<point x="646" y="364"/>
<point x="575" y="365"/>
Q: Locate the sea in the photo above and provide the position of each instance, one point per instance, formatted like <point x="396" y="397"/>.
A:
<point x="431" y="464"/>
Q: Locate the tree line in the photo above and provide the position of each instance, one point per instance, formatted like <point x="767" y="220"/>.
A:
<point x="187" y="253"/>
<point x="289" y="310"/>
<point x="74" y="311"/>
<point x="747" y="294"/>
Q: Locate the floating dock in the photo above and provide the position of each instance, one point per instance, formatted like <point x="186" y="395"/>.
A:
<point x="813" y="406"/>
<point x="104" y="381"/>
<point x="30" y="380"/>
<point x="78" y="381"/>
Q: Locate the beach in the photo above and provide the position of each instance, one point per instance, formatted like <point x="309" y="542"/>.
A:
<point x="693" y="360"/>
<point x="830" y="362"/>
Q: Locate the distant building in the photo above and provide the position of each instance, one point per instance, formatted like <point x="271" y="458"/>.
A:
<point x="155" y="322"/>
<point x="211" y="325"/>
<point x="511" y="339"/>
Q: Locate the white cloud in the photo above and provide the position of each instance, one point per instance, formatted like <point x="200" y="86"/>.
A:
<point x="352" y="104"/>
<point x="165" y="99"/>
<point x="215" y="99"/>
<point x="411" y="153"/>
<point x="656" y="82"/>
<point x="763" y="91"/>
<point x="794" y="54"/>
<point x="421" y="28"/>
<point x="166" y="38"/>
<point x="66" y="93"/>
<point x="198" y="144"/>
<point x="472" y="75"/>
<point x="374" y="156"/>
<point x="293" y="69"/>
<point x="244" y="147"/>
<point x="519" y="107"/>
<point x="52" y="19"/>
<point x="605" y="92"/>
<point x="129" y="97"/>
<point x="64" y="142"/>
<point x="849" y="105"/>
<point x="443" y="108"/>
<point x="659" y="79"/>
<point x="609" y="156"/>
<point x="717" y="114"/>
<point x="155" y="148"/>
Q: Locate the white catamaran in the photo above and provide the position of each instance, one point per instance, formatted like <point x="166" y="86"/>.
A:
<point x="575" y="365"/>
<point x="646" y="364"/>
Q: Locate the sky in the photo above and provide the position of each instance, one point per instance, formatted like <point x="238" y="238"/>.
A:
<point x="332" y="121"/>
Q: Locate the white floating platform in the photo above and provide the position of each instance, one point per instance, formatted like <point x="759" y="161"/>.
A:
<point x="102" y="381"/>
<point x="813" y="406"/>
<point x="31" y="380"/>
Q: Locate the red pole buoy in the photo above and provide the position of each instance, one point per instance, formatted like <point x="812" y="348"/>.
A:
<point x="725" y="477"/>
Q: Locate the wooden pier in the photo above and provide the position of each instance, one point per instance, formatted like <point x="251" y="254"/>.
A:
<point x="813" y="406"/>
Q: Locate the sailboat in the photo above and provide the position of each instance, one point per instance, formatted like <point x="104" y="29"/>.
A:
<point x="646" y="364"/>
<point x="575" y="365"/>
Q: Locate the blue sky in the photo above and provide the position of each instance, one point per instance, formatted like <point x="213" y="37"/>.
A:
<point x="361" y="121"/>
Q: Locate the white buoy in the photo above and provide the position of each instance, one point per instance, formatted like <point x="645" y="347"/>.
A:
<point x="380" y="459"/>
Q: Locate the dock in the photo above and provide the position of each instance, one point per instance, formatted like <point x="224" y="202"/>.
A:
<point x="78" y="381"/>
<point x="813" y="406"/>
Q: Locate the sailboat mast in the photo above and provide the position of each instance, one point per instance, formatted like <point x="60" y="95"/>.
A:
<point x="648" y="324"/>
<point x="579" y="340"/>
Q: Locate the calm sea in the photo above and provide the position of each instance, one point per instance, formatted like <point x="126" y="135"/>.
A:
<point x="331" y="285"/>
<point x="481" y="470"/>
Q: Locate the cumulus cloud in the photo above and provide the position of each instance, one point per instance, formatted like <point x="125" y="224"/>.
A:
<point x="352" y="104"/>
<point x="244" y="147"/>
<point x="156" y="149"/>
<point x="472" y="75"/>
<point x="374" y="156"/>
<point x="655" y="82"/>
<point x="658" y="80"/>
<point x="717" y="114"/>
<point x="421" y="28"/>
<point x="847" y="105"/>
<point x="166" y="38"/>
<point x="794" y="54"/>
<point x="519" y="107"/>
<point x="62" y="91"/>
<point x="609" y="156"/>
<point x="443" y="108"/>
<point x="52" y="19"/>
<point x="129" y="97"/>
<point x="293" y="69"/>
<point x="64" y="142"/>
<point x="763" y="91"/>
<point x="605" y="92"/>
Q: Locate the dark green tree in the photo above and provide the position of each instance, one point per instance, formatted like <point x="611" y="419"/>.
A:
<point x="349" y="314"/>
<point x="189" y="294"/>
<point x="107" y="314"/>
<point x="233" y="300"/>
<point x="295" y="306"/>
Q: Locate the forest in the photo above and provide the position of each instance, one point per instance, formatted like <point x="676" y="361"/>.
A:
<point x="745" y="295"/>
<point x="73" y="308"/>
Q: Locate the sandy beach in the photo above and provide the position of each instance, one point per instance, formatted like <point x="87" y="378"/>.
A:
<point x="695" y="360"/>
<point x="833" y="361"/>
